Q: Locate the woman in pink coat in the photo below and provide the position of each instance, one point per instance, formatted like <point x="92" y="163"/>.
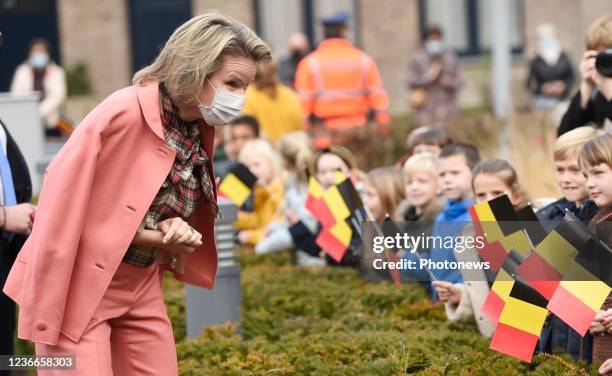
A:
<point x="130" y="195"/>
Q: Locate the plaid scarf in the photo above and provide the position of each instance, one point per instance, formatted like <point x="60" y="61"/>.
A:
<point x="189" y="178"/>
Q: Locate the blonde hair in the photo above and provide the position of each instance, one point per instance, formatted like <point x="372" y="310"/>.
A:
<point x="506" y="173"/>
<point x="600" y="34"/>
<point x="568" y="144"/>
<point x="265" y="149"/>
<point x="596" y="151"/>
<point x="423" y="162"/>
<point x="296" y="149"/>
<point x="387" y="182"/>
<point x="266" y="78"/>
<point x="196" y="50"/>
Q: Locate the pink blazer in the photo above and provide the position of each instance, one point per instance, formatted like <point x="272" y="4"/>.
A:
<point x="95" y="193"/>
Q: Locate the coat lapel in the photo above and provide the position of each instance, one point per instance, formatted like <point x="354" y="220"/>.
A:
<point x="148" y="97"/>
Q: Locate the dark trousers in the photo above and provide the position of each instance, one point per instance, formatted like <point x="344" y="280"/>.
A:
<point x="7" y="306"/>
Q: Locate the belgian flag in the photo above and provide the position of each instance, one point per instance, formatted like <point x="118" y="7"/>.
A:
<point x="504" y="229"/>
<point x="502" y="286"/>
<point x="578" y="298"/>
<point x="520" y="322"/>
<point x="572" y="270"/>
<point x="544" y="268"/>
<point x="238" y="184"/>
<point x="333" y="208"/>
<point x="315" y="191"/>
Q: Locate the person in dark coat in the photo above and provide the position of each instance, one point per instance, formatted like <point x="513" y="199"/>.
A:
<point x="550" y="73"/>
<point x="593" y="102"/>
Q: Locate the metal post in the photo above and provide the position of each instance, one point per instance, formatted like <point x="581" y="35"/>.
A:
<point x="501" y="50"/>
<point x="221" y="304"/>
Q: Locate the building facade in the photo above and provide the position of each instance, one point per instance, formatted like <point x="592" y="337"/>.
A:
<point x="113" y="38"/>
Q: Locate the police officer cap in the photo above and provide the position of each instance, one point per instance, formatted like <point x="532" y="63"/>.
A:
<point x="336" y="19"/>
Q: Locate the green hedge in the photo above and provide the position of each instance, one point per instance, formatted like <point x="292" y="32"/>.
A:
<point x="327" y="321"/>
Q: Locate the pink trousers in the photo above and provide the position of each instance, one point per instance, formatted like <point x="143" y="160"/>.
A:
<point x="129" y="333"/>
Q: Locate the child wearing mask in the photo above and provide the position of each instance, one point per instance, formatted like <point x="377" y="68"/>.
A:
<point x="596" y="162"/>
<point x="325" y="165"/>
<point x="260" y="157"/>
<point x="463" y="301"/>
<point x="572" y="183"/>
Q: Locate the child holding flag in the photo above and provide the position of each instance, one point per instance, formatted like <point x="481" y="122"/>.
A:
<point x="326" y="166"/>
<point x="296" y="152"/>
<point x="596" y="162"/>
<point x="260" y="157"/>
<point x="556" y="334"/>
<point x="490" y="179"/>
<point x="383" y="190"/>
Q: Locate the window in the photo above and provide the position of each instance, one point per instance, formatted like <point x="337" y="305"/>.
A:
<point x="467" y="23"/>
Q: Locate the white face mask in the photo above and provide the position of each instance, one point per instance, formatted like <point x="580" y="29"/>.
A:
<point x="434" y="47"/>
<point x="39" y="60"/>
<point x="224" y="108"/>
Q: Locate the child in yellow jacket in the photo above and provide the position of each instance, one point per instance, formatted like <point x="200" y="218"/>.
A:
<point x="260" y="157"/>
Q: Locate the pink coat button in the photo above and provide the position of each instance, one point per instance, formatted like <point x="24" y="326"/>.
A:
<point x="41" y="326"/>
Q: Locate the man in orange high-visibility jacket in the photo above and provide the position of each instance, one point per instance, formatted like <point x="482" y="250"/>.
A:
<point x="341" y="90"/>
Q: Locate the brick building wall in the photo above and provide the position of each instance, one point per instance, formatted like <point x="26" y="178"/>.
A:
<point x="241" y="10"/>
<point x="96" y="33"/>
<point x="389" y="33"/>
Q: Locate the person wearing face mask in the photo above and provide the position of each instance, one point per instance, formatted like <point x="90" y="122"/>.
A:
<point x="130" y="195"/>
<point x="550" y="73"/>
<point x="434" y="79"/>
<point x="298" y="48"/>
<point x="40" y="73"/>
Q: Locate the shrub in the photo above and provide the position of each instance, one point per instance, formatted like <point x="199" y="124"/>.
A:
<point x="302" y="321"/>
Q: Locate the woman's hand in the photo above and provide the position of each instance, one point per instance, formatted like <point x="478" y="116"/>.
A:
<point x="447" y="292"/>
<point x="178" y="232"/>
<point x="18" y="218"/>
